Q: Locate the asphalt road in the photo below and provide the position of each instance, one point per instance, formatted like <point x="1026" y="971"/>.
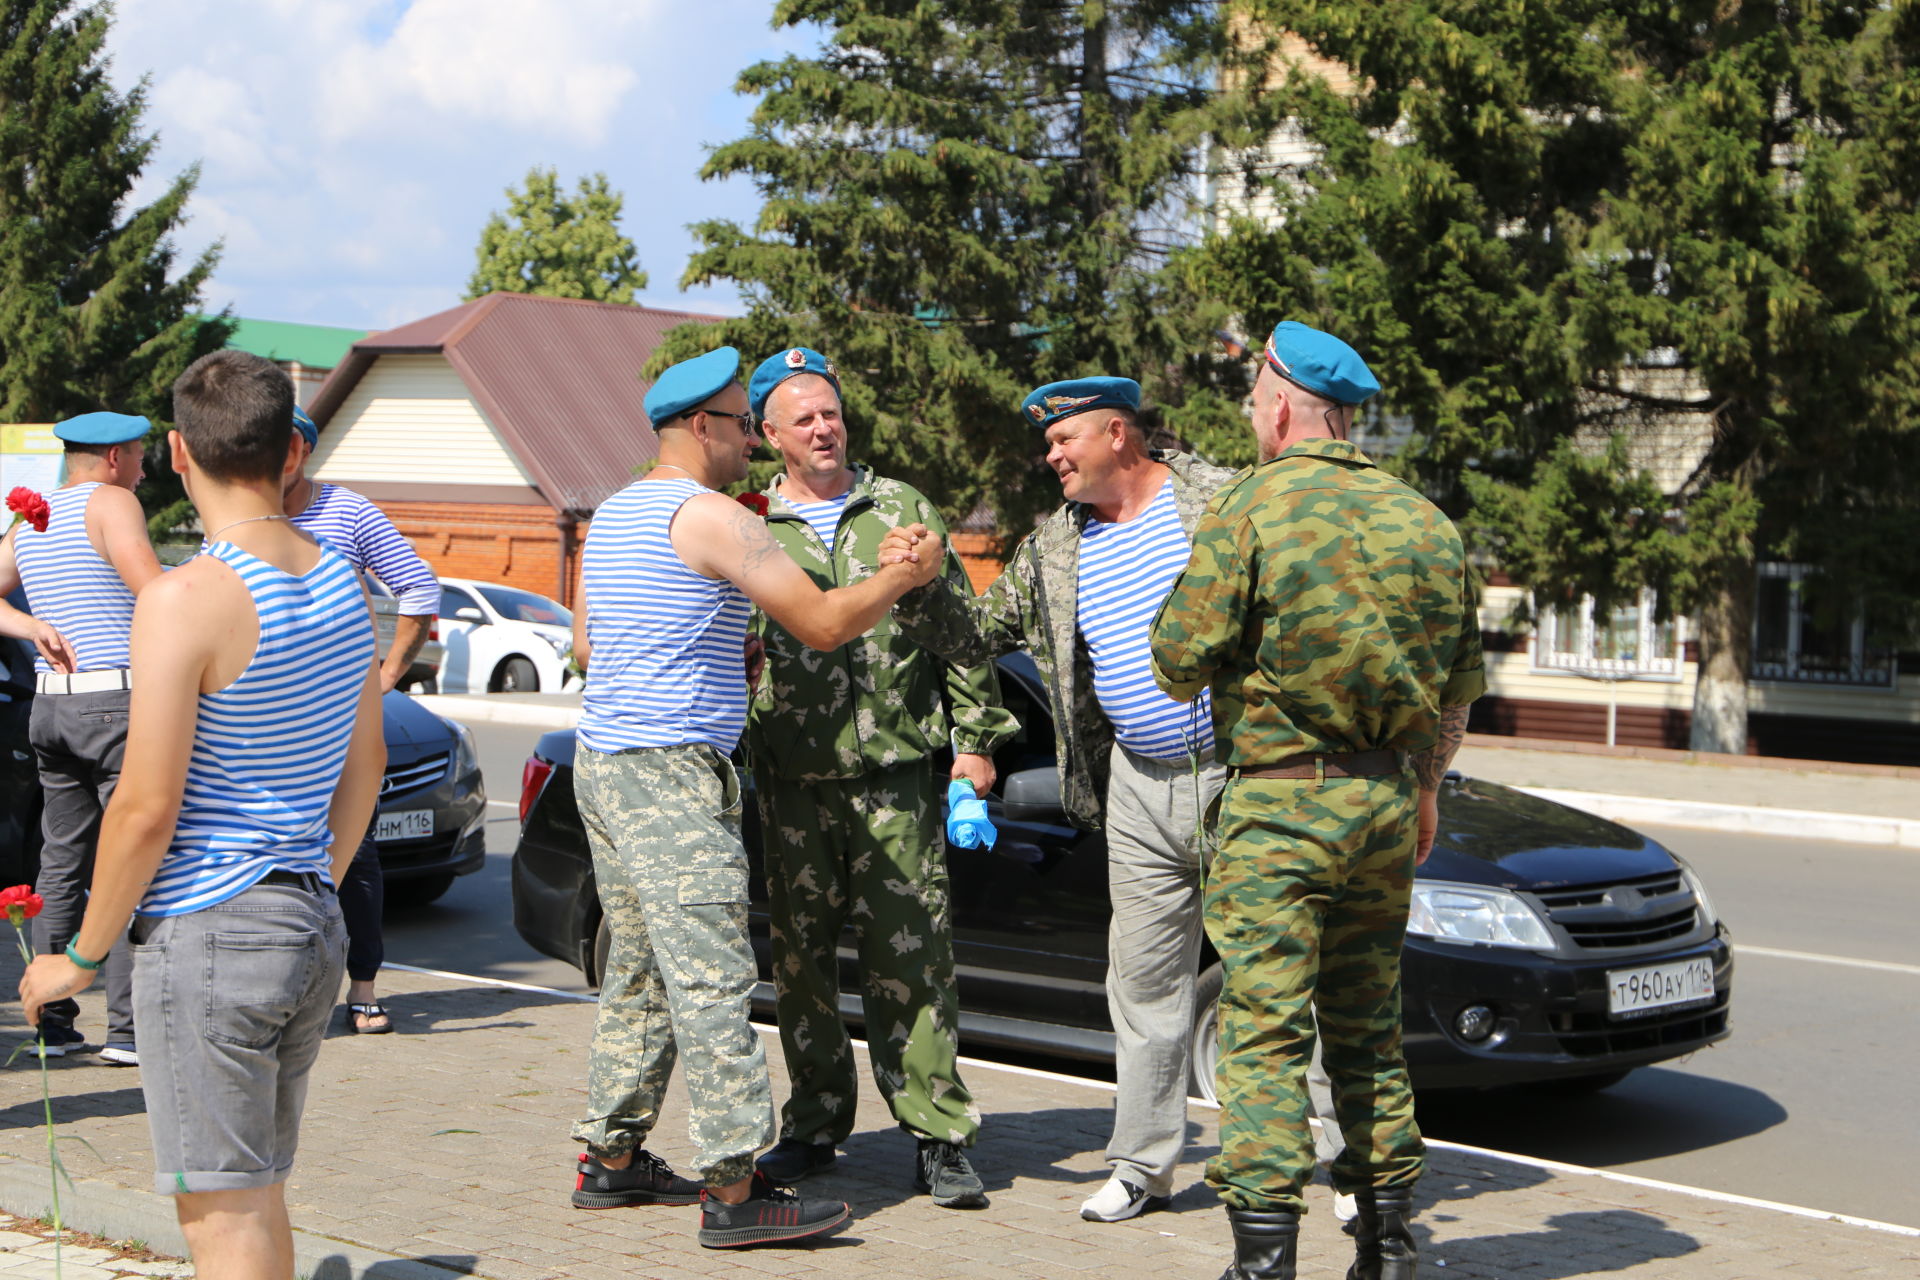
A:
<point x="1810" y="1102"/>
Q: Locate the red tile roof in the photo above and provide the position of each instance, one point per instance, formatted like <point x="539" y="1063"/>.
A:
<point x="559" y="377"/>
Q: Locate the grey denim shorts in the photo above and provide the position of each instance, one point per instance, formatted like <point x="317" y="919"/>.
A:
<point x="230" y="1004"/>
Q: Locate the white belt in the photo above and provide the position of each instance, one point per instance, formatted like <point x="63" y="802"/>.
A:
<point x="85" y="681"/>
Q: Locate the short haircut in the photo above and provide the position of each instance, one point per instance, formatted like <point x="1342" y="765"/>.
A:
<point x="235" y="410"/>
<point x="97" y="450"/>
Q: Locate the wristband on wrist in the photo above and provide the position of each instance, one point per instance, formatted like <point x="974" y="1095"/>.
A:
<point x="82" y="961"/>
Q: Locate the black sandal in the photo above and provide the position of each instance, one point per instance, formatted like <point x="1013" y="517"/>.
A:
<point x="373" y="1009"/>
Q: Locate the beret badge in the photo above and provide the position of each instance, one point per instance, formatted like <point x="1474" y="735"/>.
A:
<point x="796" y="359"/>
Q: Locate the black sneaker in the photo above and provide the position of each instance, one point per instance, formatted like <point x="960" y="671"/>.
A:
<point x="941" y="1170"/>
<point x="647" y="1180"/>
<point x="768" y="1215"/>
<point x="790" y="1160"/>
<point x="56" y="1040"/>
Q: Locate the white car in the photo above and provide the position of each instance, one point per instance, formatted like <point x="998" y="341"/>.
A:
<point x="501" y="639"/>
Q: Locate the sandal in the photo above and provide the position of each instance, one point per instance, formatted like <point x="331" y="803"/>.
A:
<point x="370" y="1011"/>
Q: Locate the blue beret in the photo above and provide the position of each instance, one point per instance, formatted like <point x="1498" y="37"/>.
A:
<point x="689" y="383"/>
<point x="775" y="370"/>
<point x="1057" y="400"/>
<point x="1321" y="363"/>
<point x="102" y="428"/>
<point x="305" y="426"/>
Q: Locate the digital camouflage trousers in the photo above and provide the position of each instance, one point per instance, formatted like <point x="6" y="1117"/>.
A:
<point x="1306" y="902"/>
<point x="664" y="827"/>
<point x="869" y="851"/>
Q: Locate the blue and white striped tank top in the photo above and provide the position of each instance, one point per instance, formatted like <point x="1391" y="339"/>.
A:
<point x="269" y="748"/>
<point x="1126" y="571"/>
<point x="664" y="667"/>
<point x="822" y="517"/>
<point x="71" y="586"/>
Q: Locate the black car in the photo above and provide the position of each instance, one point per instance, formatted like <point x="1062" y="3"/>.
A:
<point x="433" y="804"/>
<point x="1546" y="943"/>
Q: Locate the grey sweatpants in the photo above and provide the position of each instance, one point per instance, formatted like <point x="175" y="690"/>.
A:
<point x="79" y="739"/>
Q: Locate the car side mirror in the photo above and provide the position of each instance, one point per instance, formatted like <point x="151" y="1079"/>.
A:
<point x="1032" y="795"/>
<point x="470" y="614"/>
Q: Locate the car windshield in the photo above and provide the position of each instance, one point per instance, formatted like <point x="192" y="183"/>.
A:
<point x="523" y="606"/>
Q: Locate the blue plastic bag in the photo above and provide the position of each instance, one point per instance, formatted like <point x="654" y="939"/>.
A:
<point x="967" y="823"/>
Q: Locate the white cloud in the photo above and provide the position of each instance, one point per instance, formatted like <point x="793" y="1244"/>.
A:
<point x="352" y="149"/>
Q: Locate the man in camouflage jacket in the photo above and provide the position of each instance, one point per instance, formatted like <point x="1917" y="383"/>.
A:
<point x="1327" y="610"/>
<point x="1078" y="594"/>
<point x="842" y="747"/>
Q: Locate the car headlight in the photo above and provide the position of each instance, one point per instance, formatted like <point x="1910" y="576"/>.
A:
<point x="1474" y="913"/>
<point x="1708" y="916"/>
<point x="466" y="755"/>
<point x="562" y="645"/>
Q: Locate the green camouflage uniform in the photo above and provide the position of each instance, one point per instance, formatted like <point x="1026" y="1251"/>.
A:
<point x="1033" y="605"/>
<point x="842" y="746"/>
<point x="1327" y="605"/>
<point x="664" y="827"/>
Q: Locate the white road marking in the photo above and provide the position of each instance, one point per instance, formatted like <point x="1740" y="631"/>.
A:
<point x="1552" y="1166"/>
<point x="1884" y="966"/>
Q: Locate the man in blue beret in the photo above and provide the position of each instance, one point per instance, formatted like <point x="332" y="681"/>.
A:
<point x="1327" y="612"/>
<point x="669" y="573"/>
<point x="850" y="810"/>
<point x="1078" y="594"/>
<point x="81" y="574"/>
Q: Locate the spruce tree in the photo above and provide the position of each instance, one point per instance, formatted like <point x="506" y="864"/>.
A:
<point x="1552" y="224"/>
<point x="558" y="246"/>
<point x="965" y="199"/>
<point x="95" y="312"/>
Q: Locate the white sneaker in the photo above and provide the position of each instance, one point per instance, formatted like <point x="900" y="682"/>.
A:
<point x="1119" y="1200"/>
<point x="120" y="1055"/>
<point x="1345" y="1207"/>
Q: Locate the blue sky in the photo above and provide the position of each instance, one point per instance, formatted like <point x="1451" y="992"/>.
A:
<point x="350" y="150"/>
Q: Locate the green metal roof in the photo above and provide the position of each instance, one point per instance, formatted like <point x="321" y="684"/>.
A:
<point x="317" y="345"/>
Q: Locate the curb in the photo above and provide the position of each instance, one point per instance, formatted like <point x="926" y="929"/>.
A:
<point x="104" y="1209"/>
<point x="470" y="708"/>
<point x="1845" y="828"/>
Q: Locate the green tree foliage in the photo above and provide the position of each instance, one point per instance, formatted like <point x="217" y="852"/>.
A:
<point x="1548" y="224"/>
<point x="95" y="312"/>
<point x="965" y="199"/>
<point x="558" y="246"/>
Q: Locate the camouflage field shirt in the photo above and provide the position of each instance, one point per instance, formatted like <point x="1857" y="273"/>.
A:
<point x="876" y="701"/>
<point x="1327" y="604"/>
<point x="1034" y="605"/>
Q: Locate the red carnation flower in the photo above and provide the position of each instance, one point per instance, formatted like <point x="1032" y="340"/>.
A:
<point x="29" y="506"/>
<point x="754" y="502"/>
<point x="20" y="904"/>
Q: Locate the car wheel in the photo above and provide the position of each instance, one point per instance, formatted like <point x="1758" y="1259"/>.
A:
<point x="602" y="944"/>
<point x="418" y="892"/>
<point x="1203" y="1049"/>
<point x="516" y="675"/>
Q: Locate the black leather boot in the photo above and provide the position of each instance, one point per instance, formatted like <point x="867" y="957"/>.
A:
<point x="1383" y="1236"/>
<point x="1265" y="1244"/>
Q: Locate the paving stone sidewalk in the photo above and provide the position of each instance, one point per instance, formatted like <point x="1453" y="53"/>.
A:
<point x="443" y="1150"/>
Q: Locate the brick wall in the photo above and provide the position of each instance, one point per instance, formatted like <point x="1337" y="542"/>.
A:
<point x="491" y="542"/>
<point x="983" y="554"/>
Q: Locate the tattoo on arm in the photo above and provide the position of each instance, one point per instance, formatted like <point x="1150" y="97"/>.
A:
<point x="756" y="544"/>
<point x="1430" y="766"/>
<point x="414" y="645"/>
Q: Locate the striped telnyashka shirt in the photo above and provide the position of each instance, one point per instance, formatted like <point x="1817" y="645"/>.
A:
<point x="822" y="517"/>
<point x="72" y="586"/>
<point x="664" y="666"/>
<point x="361" y="532"/>
<point x="268" y="749"/>
<point x="1126" y="571"/>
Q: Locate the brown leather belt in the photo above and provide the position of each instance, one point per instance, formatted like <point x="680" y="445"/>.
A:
<point x="1348" y="764"/>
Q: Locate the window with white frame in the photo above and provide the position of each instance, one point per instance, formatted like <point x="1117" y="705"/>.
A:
<point x="1793" y="641"/>
<point x="1624" y="642"/>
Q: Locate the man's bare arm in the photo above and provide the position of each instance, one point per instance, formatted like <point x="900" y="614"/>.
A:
<point x="359" y="787"/>
<point x="117" y="527"/>
<point x="581" y="649"/>
<point x="1430" y="766"/>
<point x="409" y="633"/>
<point x="721" y="538"/>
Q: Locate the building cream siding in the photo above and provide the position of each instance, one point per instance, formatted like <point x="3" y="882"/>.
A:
<point x="410" y="420"/>
<point x="1512" y="675"/>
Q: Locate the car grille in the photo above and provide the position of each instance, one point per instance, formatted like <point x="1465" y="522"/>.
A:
<point x="1592" y="1035"/>
<point x="415" y="774"/>
<point x="1631" y="913"/>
